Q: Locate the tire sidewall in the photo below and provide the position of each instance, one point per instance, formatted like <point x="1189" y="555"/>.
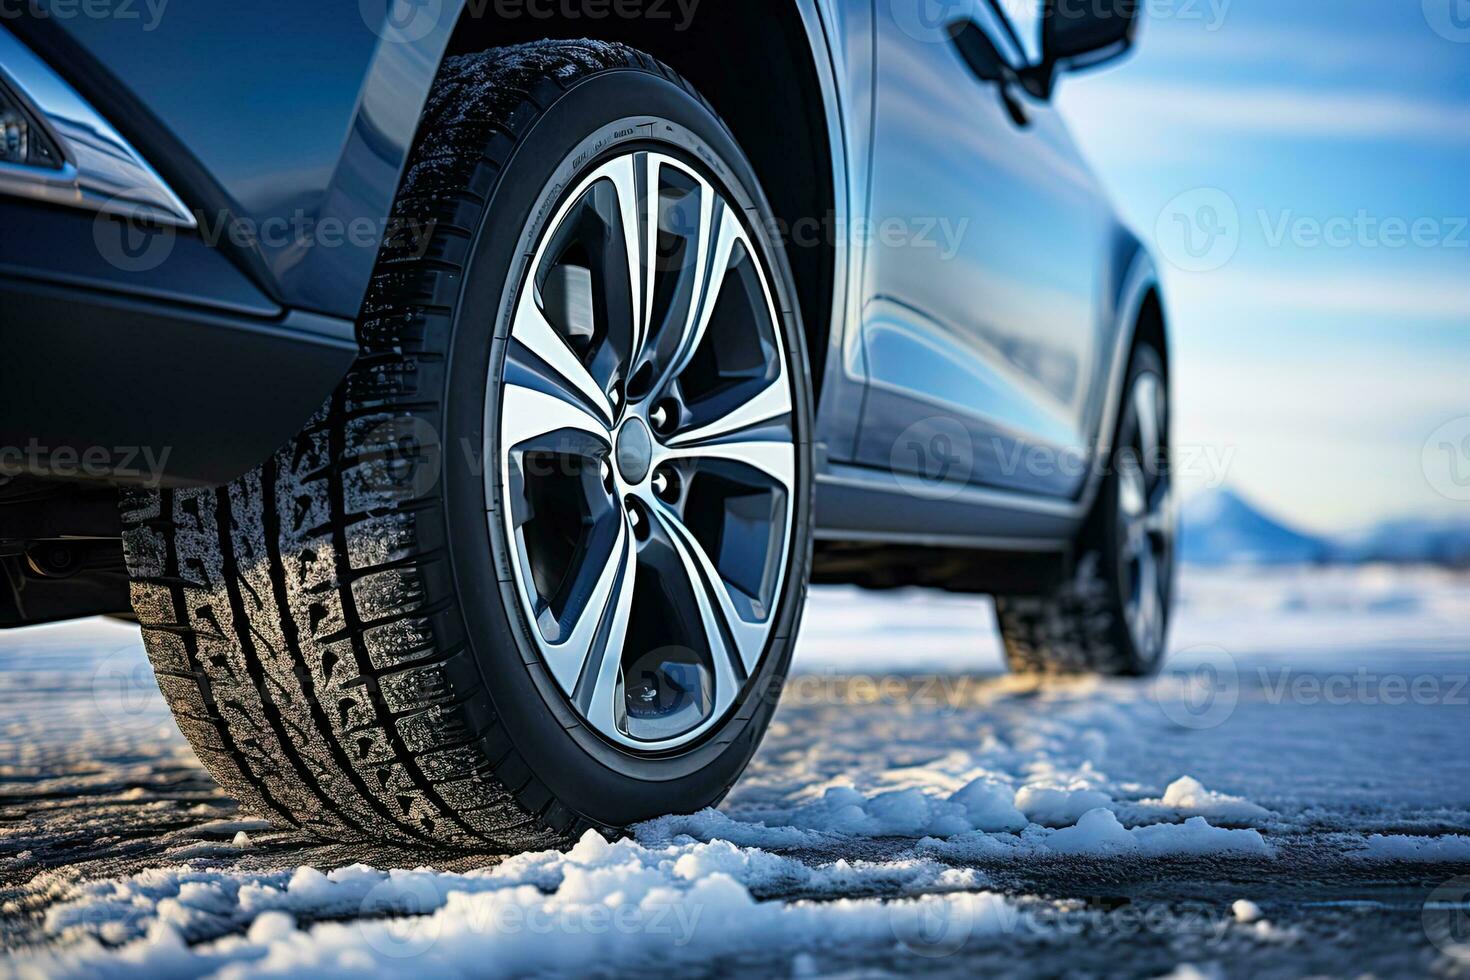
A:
<point x="605" y="784"/>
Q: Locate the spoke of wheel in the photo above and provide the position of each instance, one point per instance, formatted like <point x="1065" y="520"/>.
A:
<point x="716" y="609"/>
<point x="528" y="413"/>
<point x="709" y="275"/>
<point x="713" y="258"/>
<point x="776" y="460"/>
<point x="636" y="204"/>
<point x="533" y="330"/>
<point x="773" y="401"/>
<point x="596" y="691"/>
<point x="597" y="616"/>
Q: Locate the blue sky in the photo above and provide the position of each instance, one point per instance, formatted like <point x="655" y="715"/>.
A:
<point x="1318" y="156"/>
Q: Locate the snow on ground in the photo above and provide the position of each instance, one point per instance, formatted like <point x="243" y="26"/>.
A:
<point x="1283" y="800"/>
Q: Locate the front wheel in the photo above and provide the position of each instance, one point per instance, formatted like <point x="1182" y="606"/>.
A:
<point x="538" y="565"/>
<point x="1112" y="615"/>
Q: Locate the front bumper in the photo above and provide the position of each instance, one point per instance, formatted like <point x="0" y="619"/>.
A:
<point x="132" y="351"/>
<point x="104" y="387"/>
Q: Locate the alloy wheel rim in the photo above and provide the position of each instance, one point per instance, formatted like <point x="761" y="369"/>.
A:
<point x="647" y="454"/>
<point x="1146" y="518"/>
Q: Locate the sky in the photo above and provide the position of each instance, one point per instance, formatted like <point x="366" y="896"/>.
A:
<point x="1302" y="170"/>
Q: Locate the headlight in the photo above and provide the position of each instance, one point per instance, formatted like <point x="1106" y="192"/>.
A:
<point x="22" y="142"/>
<point x="55" y="147"/>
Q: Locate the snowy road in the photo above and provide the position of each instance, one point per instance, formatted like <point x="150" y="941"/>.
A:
<point x="1283" y="801"/>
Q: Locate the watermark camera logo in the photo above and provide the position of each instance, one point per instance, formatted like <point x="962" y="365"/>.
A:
<point x="1446" y="918"/>
<point x="1450" y="19"/>
<point x="1446" y="459"/>
<point x="1199" y="230"/>
<point x="130" y="242"/>
<point x="401" y="21"/>
<point x="933" y="458"/>
<point x="396" y="917"/>
<point x="403" y="457"/>
<point x="933" y="926"/>
<point x="1199" y="689"/>
<point x="931" y="21"/>
<point x="124" y="689"/>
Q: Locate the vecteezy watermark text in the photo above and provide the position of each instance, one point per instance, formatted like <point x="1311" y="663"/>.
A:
<point x="148" y="14"/>
<point x="136" y="244"/>
<point x="145" y="463"/>
<point x="1364" y="686"/>
<point x="408" y="21"/>
<point x="679" y="12"/>
<point x="1202" y="230"/>
<point x="943" y="235"/>
<point x="1363" y="229"/>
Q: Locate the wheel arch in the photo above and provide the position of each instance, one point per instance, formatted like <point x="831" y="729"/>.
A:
<point x="1150" y="324"/>
<point x="796" y="152"/>
<point x="1141" y="317"/>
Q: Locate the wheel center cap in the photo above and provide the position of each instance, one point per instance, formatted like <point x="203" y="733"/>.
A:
<point x="634" y="450"/>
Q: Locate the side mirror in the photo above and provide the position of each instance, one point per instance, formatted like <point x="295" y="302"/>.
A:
<point x="987" y="64"/>
<point x="1077" y="34"/>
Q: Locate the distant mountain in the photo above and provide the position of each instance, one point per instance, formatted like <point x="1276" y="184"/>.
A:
<point x="1220" y="527"/>
<point x="1434" y="541"/>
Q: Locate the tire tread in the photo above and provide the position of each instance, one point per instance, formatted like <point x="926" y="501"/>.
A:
<point x="299" y="619"/>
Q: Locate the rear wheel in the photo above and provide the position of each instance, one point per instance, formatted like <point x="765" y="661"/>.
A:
<point x="1112" y="615"/>
<point x="538" y="564"/>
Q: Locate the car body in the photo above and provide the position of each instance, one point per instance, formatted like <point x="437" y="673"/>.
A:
<point x="969" y="295"/>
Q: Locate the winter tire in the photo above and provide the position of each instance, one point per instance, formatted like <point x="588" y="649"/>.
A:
<point x="1112" y="615"/>
<point x="539" y="563"/>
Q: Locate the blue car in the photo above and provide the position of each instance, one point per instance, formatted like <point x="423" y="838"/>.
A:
<point x="462" y="395"/>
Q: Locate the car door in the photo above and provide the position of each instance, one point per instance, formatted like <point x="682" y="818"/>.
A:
<point x="983" y="284"/>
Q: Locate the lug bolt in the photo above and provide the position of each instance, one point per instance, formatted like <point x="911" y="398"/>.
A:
<point x="637" y="520"/>
<point x="664" y="416"/>
<point x="666" y="485"/>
